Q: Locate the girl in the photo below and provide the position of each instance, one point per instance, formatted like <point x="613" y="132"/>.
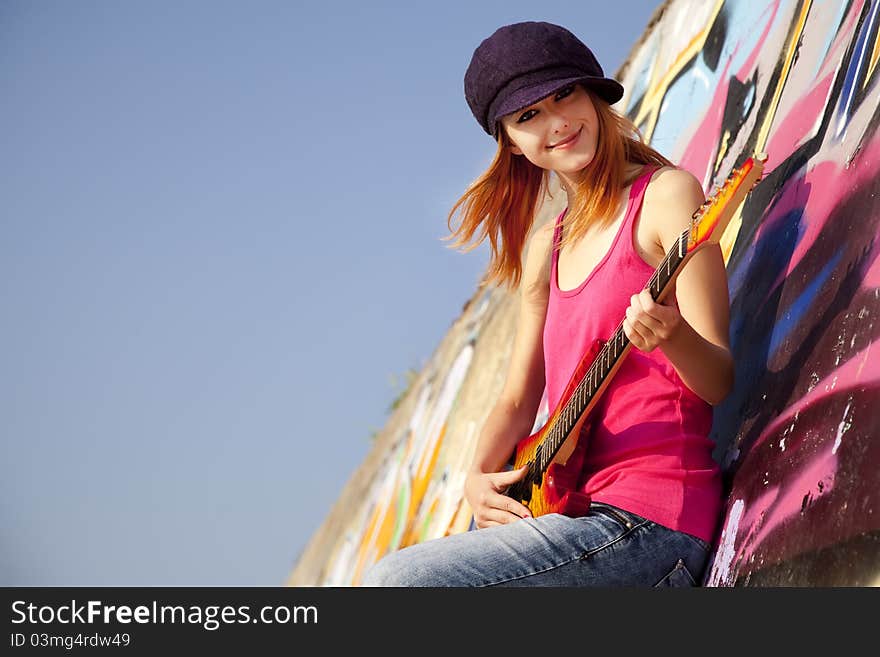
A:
<point x="654" y="488"/>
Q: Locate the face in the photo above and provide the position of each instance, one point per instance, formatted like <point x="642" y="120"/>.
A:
<point x="559" y="133"/>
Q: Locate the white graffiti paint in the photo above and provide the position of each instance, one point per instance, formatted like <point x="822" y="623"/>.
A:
<point x="726" y="550"/>
<point x="842" y="428"/>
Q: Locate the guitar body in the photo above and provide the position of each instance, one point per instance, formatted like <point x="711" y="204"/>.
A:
<point x="556" y="490"/>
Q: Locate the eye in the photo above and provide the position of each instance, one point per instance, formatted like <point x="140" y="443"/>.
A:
<point x="567" y="91"/>
<point x="564" y="92"/>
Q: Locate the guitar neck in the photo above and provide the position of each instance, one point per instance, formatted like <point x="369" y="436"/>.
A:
<point x="609" y="357"/>
<point x="710" y="219"/>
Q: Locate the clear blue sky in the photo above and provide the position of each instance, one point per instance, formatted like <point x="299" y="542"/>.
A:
<point x="220" y="245"/>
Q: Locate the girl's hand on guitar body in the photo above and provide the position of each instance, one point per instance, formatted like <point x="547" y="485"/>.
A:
<point x="484" y="492"/>
<point x="649" y="324"/>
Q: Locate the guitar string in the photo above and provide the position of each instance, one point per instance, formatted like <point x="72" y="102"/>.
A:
<point x="594" y="373"/>
<point x="557" y="433"/>
<point x="618" y="334"/>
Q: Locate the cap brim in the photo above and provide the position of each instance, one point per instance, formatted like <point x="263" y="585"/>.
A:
<point x="608" y="89"/>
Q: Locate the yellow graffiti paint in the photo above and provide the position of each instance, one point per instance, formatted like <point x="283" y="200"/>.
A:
<point x="872" y="62"/>
<point x="728" y="238"/>
<point x="420" y="483"/>
<point x="649" y="111"/>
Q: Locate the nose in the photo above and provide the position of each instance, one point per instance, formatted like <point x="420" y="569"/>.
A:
<point x="559" y="122"/>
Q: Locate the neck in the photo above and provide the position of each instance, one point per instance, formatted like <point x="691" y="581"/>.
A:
<point x="569" y="181"/>
<point x="569" y="185"/>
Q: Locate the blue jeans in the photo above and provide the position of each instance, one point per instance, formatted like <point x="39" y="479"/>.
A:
<point x="608" y="547"/>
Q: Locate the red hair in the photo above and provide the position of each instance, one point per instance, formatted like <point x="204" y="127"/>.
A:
<point x="501" y="204"/>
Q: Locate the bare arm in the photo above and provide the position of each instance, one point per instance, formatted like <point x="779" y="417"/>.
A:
<point x="695" y="338"/>
<point x="513" y="414"/>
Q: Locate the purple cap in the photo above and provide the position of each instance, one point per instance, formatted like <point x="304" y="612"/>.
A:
<point x="522" y="63"/>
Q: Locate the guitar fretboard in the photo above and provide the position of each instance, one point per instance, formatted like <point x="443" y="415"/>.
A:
<point x="604" y="362"/>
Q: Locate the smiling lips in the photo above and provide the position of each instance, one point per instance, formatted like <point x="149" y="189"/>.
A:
<point x="568" y="141"/>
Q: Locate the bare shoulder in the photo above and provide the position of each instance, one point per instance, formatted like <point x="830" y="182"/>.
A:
<point x="669" y="184"/>
<point x="541" y="241"/>
<point x="544" y="233"/>
<point x="671" y="198"/>
<point x="536" y="270"/>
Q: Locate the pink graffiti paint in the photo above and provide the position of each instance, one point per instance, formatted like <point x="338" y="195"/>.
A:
<point x="810" y="108"/>
<point x="699" y="156"/>
<point x="800" y="122"/>
<point x="802" y="117"/>
<point x="872" y="276"/>
<point x="751" y="61"/>
<point x="822" y="188"/>
<point x="780" y="504"/>
<point x="856" y="372"/>
<point x="831" y="184"/>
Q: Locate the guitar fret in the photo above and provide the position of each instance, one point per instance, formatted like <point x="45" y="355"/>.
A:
<point x="602" y="365"/>
<point x="612" y="350"/>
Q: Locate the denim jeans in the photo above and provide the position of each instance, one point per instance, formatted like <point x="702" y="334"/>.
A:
<point x="609" y="547"/>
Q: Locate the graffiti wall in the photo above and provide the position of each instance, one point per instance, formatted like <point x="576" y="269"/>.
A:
<point x="709" y="84"/>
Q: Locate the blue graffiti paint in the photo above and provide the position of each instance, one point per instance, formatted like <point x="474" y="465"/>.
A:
<point x="697" y="84"/>
<point x="801" y="305"/>
<point x="642" y="75"/>
<point x="851" y="83"/>
<point x="771" y="251"/>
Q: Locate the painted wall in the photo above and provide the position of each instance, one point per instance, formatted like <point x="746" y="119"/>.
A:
<point x="709" y="84"/>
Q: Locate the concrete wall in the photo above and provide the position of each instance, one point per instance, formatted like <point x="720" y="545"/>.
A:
<point x="709" y="84"/>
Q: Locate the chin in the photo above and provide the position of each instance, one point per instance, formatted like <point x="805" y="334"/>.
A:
<point x="577" y="165"/>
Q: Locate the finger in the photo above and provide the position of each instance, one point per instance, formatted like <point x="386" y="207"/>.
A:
<point x="644" y="322"/>
<point x="638" y="314"/>
<point x="632" y="335"/>
<point x="509" y="505"/>
<point x="635" y="302"/>
<point x="635" y="326"/>
<point x="663" y="312"/>
<point x="662" y="320"/>
<point x="491" y="517"/>
<point x="501" y="480"/>
<point x="501" y="517"/>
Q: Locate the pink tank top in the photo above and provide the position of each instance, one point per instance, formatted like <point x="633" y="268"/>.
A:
<point x="648" y="449"/>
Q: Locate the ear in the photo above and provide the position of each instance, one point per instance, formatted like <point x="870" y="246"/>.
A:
<point x="516" y="150"/>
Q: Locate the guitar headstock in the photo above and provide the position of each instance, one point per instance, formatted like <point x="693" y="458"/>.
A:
<point x="711" y="218"/>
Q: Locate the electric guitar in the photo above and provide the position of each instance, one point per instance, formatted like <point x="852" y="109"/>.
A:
<point x="553" y="454"/>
